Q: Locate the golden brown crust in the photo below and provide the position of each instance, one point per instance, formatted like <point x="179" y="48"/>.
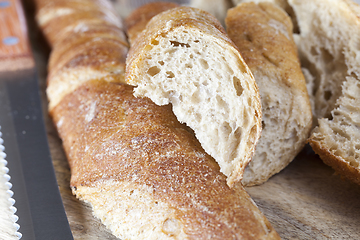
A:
<point x="137" y="20"/>
<point x="105" y="54"/>
<point x="335" y="161"/>
<point x="59" y="28"/>
<point x="261" y="50"/>
<point x="59" y="18"/>
<point x="75" y="41"/>
<point x="109" y="134"/>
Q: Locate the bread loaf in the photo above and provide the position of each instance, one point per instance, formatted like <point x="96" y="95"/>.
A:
<point x="145" y="174"/>
<point x="184" y="57"/>
<point x="263" y="34"/>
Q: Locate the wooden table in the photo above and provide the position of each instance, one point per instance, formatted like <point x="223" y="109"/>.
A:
<point x="305" y="201"/>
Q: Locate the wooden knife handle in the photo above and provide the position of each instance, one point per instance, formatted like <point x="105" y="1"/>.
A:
<point x="15" y="51"/>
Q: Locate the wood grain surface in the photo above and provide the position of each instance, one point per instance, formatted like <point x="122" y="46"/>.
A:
<point x="304" y="201"/>
<point x="15" y="50"/>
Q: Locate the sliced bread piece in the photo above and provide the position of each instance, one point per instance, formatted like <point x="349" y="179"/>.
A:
<point x="329" y="46"/>
<point x="337" y="141"/>
<point x="328" y="40"/>
<point x="184" y="57"/>
<point x="263" y="34"/>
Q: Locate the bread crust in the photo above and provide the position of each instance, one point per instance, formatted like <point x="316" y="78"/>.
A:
<point x="79" y="38"/>
<point x="109" y="134"/>
<point x="136" y="22"/>
<point x="339" y="164"/>
<point x="263" y="34"/>
<point x="58" y="18"/>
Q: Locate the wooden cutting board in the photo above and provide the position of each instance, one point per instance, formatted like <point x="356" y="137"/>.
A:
<point x="304" y="201"/>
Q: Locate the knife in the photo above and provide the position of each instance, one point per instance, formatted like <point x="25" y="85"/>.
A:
<point x="37" y="198"/>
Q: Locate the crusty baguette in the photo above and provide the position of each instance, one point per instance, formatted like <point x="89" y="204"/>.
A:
<point x="145" y="174"/>
<point x="184" y="57"/>
<point x="263" y="34"/>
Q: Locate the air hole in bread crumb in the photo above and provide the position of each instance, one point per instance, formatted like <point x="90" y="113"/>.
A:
<point x="263" y="124"/>
<point x="327" y="95"/>
<point x="342" y="134"/>
<point x="204" y="64"/>
<point x="171" y="226"/>
<point x="170" y="74"/>
<point x="170" y="51"/>
<point x="196" y="41"/>
<point x="153" y="71"/>
<point x="225" y="130"/>
<point x="221" y="103"/>
<point x="188" y="65"/>
<point x="154" y="42"/>
<point x="177" y="44"/>
<point x="237" y="85"/>
<point x="235" y="143"/>
<point x="161" y="63"/>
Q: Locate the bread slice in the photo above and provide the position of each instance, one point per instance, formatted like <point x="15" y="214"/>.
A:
<point x="337" y="141"/>
<point x="184" y="57"/>
<point x="145" y="174"/>
<point x="328" y="44"/>
<point x="328" y="48"/>
<point x="263" y="34"/>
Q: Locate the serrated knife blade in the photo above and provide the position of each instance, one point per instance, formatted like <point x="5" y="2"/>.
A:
<point x="8" y="218"/>
<point x="37" y="198"/>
